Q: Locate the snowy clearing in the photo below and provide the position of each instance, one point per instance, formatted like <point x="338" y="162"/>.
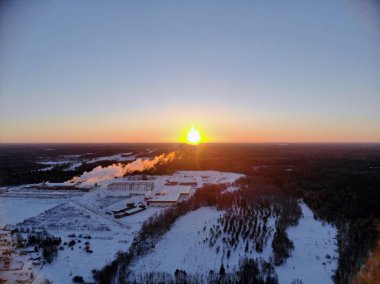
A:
<point x="183" y="247"/>
<point x="14" y="210"/>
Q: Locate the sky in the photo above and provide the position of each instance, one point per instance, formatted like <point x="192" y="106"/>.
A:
<point x="144" y="71"/>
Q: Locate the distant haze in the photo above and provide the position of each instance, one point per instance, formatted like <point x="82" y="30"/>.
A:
<point x="143" y="71"/>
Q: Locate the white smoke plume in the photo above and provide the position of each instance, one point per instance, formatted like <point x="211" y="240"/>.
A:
<point x="118" y="170"/>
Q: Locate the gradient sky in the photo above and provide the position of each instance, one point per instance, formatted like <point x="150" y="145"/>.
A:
<point x="143" y="71"/>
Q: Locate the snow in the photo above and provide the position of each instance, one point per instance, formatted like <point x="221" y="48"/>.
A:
<point x="180" y="247"/>
<point x="183" y="248"/>
<point x="118" y="157"/>
<point x="202" y="177"/>
<point x="79" y="262"/>
<point x="181" y="189"/>
<point x="14" y="210"/>
<point x="46" y="169"/>
<point x="168" y="197"/>
<point x="53" y="162"/>
<point x="231" y="189"/>
<point x="108" y="236"/>
<point x="312" y="240"/>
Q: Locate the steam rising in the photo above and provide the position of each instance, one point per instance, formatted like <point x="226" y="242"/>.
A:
<point x="118" y="170"/>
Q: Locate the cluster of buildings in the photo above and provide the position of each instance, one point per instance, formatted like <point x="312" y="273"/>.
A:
<point x="16" y="264"/>
<point x="164" y="191"/>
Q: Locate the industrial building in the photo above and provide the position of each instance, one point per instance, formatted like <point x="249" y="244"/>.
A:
<point x="181" y="189"/>
<point x="131" y="186"/>
<point x="168" y="195"/>
<point x="164" y="199"/>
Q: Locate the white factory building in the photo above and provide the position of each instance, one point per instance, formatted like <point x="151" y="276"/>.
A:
<point x="142" y="186"/>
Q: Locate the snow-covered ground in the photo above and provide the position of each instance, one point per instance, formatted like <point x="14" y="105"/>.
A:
<point x="118" y="157"/>
<point x="108" y="236"/>
<point x="14" y="210"/>
<point x="70" y="263"/>
<point x="314" y="257"/>
<point x="183" y="247"/>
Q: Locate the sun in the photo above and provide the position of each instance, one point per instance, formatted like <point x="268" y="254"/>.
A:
<point x="193" y="136"/>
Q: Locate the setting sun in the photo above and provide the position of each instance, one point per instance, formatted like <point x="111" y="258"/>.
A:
<point x="193" y="136"/>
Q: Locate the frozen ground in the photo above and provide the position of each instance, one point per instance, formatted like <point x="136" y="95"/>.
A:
<point x="14" y="210"/>
<point x="314" y="257"/>
<point x="183" y="248"/>
<point x="118" y="157"/>
<point x="108" y="236"/>
<point x="79" y="262"/>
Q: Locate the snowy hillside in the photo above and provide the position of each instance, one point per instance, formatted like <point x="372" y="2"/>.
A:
<point x="187" y="247"/>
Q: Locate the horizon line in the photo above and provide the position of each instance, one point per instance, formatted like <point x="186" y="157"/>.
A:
<point x="204" y="143"/>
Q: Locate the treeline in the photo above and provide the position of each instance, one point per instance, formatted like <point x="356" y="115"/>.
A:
<point x="348" y="197"/>
<point x="256" y="271"/>
<point x="40" y="241"/>
<point x="28" y="172"/>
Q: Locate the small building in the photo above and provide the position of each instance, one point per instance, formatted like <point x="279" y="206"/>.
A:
<point x="128" y="212"/>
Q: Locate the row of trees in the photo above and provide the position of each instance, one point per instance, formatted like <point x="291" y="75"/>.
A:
<point x="256" y="271"/>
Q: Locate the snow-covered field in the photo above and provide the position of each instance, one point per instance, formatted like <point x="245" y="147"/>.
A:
<point x="314" y="257"/>
<point x="183" y="247"/>
<point x="79" y="262"/>
<point x="14" y="210"/>
<point x="108" y="236"/>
